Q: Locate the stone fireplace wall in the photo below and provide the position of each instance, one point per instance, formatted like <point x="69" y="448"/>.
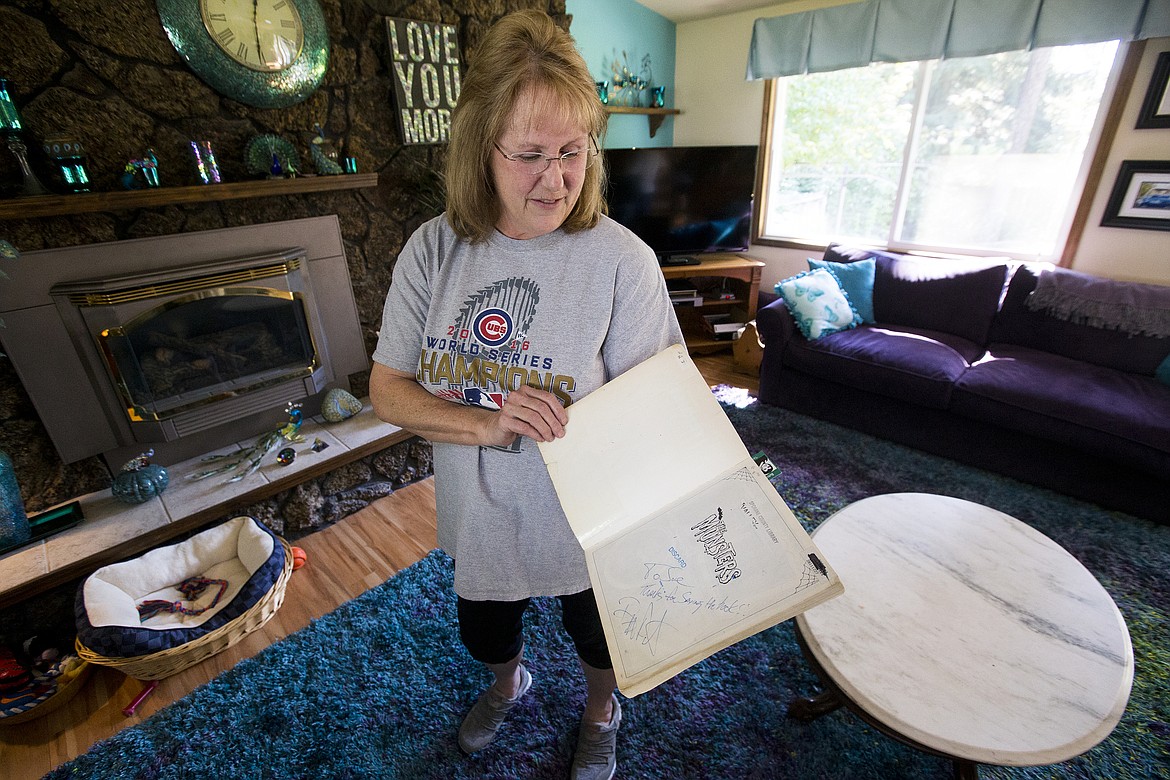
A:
<point x="105" y="73"/>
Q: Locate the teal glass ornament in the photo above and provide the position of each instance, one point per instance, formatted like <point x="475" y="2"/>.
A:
<point x="9" y="116"/>
<point x="140" y="480"/>
<point x="14" y="528"/>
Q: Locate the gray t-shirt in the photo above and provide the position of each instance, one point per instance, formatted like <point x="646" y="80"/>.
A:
<point x="564" y="312"/>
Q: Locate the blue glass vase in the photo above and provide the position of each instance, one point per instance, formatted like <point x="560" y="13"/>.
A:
<point x="14" y="528"/>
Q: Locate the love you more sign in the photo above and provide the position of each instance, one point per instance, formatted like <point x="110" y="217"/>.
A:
<point x="424" y="58"/>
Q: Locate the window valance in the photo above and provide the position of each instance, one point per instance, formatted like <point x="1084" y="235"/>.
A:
<point x="856" y="34"/>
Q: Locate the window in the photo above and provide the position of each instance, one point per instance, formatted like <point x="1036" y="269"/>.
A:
<point x="974" y="154"/>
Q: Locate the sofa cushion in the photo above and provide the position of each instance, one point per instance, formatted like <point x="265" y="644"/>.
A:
<point x="953" y="296"/>
<point x="840" y="253"/>
<point x="909" y="364"/>
<point x="818" y="304"/>
<point x="1066" y="400"/>
<point x="939" y="294"/>
<point x="1018" y="324"/>
<point x="856" y="279"/>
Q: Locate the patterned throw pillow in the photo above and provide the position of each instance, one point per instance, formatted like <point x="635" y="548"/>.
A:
<point x="818" y="304"/>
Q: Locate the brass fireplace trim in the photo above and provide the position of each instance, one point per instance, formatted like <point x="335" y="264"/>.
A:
<point x="136" y="413"/>
<point x="180" y="286"/>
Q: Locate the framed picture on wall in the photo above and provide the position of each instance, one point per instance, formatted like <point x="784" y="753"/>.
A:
<point x="1140" y="197"/>
<point x="1156" y="107"/>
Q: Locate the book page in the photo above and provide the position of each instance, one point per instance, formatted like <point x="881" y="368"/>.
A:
<point x="716" y="567"/>
<point x="638" y="443"/>
<point x="689" y="547"/>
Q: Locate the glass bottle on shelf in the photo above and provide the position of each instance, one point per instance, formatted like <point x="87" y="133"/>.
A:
<point x="12" y="130"/>
<point x="9" y="117"/>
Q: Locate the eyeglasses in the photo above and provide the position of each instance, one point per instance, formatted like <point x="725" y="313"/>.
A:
<point x="535" y="163"/>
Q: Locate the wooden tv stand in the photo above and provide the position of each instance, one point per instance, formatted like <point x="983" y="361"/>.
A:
<point x="735" y="274"/>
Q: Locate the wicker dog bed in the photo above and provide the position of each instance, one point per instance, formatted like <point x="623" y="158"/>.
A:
<point x="110" y="633"/>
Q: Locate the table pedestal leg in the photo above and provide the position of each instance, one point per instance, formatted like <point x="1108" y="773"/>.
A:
<point x="811" y="707"/>
<point x="966" y="770"/>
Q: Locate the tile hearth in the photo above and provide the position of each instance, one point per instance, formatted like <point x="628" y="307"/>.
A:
<point x="113" y="530"/>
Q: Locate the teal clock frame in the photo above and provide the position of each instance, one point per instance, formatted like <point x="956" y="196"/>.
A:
<point x="278" y="89"/>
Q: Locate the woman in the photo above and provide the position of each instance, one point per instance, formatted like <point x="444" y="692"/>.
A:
<point x="519" y="300"/>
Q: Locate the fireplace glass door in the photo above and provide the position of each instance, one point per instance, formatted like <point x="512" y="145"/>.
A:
<point x="206" y="346"/>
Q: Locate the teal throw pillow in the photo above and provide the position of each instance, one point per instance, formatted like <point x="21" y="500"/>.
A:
<point x="856" y="280"/>
<point x="1162" y="372"/>
<point x="818" y="304"/>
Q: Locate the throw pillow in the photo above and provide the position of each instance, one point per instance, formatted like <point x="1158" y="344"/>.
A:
<point x="818" y="304"/>
<point x="856" y="280"/>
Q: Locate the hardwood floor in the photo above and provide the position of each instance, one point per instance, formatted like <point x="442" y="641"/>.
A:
<point x="344" y="561"/>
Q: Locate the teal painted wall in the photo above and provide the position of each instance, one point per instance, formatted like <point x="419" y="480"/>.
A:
<point x="604" y="29"/>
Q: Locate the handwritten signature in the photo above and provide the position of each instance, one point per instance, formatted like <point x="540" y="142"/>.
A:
<point x="645" y="628"/>
<point x="664" y="582"/>
<point x="663" y="572"/>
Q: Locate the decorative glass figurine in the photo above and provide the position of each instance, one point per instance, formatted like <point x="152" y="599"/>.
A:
<point x="150" y="168"/>
<point x="141" y="173"/>
<point x="68" y="160"/>
<point x="205" y="164"/>
<point x="324" y="153"/>
<point x="9" y="116"/>
<point x="603" y="92"/>
<point x="245" y="462"/>
<point x="140" y="480"/>
<point x="624" y="82"/>
<point x="659" y="97"/>
<point x="12" y="129"/>
<point x="645" y="79"/>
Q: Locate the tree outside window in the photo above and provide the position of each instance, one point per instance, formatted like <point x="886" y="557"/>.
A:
<point x="975" y="154"/>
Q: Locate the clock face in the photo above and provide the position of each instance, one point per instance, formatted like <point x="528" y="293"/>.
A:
<point x="264" y="35"/>
<point x="265" y="53"/>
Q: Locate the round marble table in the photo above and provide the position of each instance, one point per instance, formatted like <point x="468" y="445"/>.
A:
<point x="966" y="633"/>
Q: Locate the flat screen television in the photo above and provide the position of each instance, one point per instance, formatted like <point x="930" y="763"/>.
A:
<point x="684" y="200"/>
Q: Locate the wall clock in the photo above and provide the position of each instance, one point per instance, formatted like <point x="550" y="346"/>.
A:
<point x="266" y="53"/>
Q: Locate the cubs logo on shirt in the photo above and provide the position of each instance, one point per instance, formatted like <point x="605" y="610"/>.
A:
<point x="492" y="327"/>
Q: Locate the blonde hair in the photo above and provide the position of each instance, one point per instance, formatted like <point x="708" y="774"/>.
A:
<point x="523" y="50"/>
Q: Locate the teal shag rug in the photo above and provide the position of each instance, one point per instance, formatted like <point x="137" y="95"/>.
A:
<point x="377" y="688"/>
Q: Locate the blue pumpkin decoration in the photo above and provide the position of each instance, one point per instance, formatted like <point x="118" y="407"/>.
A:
<point x="140" y="480"/>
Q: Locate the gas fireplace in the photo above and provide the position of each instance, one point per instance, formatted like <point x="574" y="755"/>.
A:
<point x="182" y="343"/>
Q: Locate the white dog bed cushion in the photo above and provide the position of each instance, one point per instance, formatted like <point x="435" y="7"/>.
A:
<point x="241" y="551"/>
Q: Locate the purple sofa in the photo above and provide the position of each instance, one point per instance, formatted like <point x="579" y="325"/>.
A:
<point x="959" y="362"/>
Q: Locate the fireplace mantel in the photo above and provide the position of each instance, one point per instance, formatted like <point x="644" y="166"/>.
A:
<point x="89" y="202"/>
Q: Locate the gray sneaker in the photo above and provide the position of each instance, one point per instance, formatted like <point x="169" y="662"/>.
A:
<point x="596" y="756"/>
<point x="486" y="715"/>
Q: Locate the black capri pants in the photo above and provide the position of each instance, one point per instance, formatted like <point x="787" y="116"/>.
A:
<point x="492" y="631"/>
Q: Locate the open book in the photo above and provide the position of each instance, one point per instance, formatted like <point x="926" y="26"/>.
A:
<point x="689" y="547"/>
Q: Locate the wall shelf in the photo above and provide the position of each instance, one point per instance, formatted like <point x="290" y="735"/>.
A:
<point x="654" y="116"/>
<point x="89" y="202"/>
